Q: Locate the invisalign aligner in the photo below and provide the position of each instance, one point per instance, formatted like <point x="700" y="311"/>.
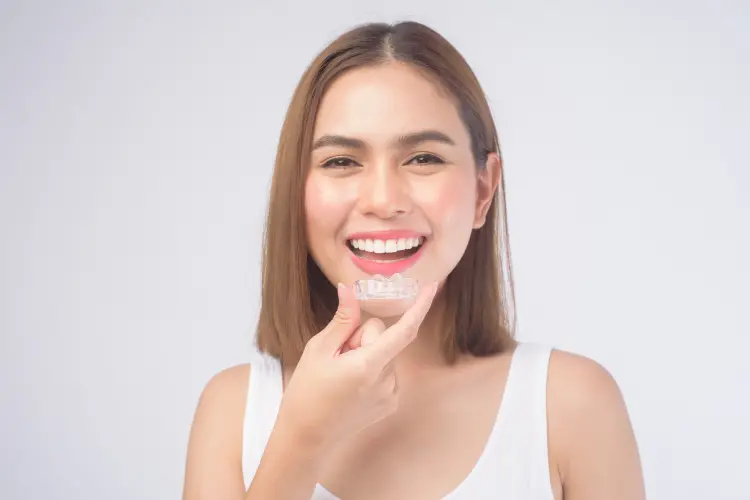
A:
<point x="380" y="287"/>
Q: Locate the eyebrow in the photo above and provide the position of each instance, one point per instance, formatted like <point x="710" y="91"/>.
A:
<point x="402" y="141"/>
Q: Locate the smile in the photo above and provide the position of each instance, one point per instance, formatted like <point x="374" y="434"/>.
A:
<point x="386" y="254"/>
<point x="385" y="250"/>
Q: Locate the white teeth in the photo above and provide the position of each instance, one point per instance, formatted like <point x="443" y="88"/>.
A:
<point x="386" y="246"/>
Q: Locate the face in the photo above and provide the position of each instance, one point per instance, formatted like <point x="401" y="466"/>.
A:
<point x="392" y="186"/>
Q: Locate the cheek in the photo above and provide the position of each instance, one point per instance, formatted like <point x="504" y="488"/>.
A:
<point x="450" y="204"/>
<point x="326" y="207"/>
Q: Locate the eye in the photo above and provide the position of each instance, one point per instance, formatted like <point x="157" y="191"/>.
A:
<point x="340" y="162"/>
<point x="425" y="159"/>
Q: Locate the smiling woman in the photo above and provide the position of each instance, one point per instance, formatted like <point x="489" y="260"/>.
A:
<point x="389" y="162"/>
<point x="375" y="142"/>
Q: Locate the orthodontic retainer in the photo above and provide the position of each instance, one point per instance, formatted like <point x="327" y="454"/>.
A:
<point x="380" y="287"/>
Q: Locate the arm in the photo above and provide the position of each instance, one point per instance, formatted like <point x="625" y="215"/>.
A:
<point x="332" y="395"/>
<point x="214" y="458"/>
<point x="590" y="432"/>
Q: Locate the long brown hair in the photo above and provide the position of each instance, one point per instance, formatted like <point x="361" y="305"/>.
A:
<point x="297" y="299"/>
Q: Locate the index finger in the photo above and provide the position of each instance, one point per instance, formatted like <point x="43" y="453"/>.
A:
<point x="397" y="337"/>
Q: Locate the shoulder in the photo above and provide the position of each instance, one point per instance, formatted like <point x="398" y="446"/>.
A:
<point x="221" y="406"/>
<point x="223" y="397"/>
<point x="215" y="444"/>
<point x="579" y="384"/>
<point x="214" y="454"/>
<point x="225" y="387"/>
<point x="581" y="393"/>
<point x="590" y="434"/>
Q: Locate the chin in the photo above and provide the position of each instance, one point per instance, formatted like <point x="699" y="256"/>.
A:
<point x="384" y="309"/>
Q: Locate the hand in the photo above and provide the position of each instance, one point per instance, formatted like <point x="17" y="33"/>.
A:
<point x="338" y="388"/>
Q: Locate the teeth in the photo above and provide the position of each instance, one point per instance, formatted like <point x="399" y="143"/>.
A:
<point x="386" y="246"/>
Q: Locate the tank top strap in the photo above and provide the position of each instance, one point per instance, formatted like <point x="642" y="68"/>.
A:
<point x="523" y="417"/>
<point x="515" y="459"/>
<point x="264" y="392"/>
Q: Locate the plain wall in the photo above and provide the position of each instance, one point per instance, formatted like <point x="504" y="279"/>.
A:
<point x="136" y="148"/>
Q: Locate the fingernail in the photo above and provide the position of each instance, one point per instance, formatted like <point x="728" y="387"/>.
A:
<point x="340" y="289"/>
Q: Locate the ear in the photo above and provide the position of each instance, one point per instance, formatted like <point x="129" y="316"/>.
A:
<point x="487" y="182"/>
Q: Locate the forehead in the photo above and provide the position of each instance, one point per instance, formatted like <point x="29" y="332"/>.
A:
<point x="378" y="103"/>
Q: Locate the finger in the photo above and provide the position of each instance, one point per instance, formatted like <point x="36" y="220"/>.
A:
<point x="371" y="330"/>
<point x="394" y="339"/>
<point x="353" y="341"/>
<point x="364" y="335"/>
<point x="345" y="320"/>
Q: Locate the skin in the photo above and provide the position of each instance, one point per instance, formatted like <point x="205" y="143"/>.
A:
<point x="419" y="426"/>
<point x="431" y="187"/>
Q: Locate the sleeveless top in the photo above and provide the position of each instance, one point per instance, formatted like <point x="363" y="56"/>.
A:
<point x="513" y="465"/>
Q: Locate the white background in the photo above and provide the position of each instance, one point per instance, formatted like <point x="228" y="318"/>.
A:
<point x="136" y="147"/>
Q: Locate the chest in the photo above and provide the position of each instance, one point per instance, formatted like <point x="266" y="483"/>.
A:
<point x="428" y="448"/>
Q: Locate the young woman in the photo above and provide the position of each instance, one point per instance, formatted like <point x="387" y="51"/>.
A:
<point x="389" y="162"/>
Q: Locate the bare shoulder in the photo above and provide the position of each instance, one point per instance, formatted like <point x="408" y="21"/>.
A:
<point x="578" y="383"/>
<point x="214" y="457"/>
<point x="591" y="438"/>
<point x="221" y="406"/>
<point x="227" y="387"/>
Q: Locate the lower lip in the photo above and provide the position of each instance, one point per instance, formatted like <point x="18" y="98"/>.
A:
<point x="387" y="268"/>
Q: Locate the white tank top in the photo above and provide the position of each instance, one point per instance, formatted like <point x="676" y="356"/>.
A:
<point x="514" y="463"/>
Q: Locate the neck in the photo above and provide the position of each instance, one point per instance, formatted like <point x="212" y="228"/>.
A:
<point x="425" y="351"/>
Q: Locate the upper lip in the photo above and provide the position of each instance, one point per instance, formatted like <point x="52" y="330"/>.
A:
<point x="390" y="234"/>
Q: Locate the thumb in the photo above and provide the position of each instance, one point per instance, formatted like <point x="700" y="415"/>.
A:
<point x="366" y="334"/>
<point x="371" y="330"/>
<point x="345" y="321"/>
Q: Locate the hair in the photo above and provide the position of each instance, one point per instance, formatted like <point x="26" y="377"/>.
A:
<point x="298" y="301"/>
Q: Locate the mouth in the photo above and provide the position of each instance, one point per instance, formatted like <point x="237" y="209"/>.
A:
<point x="386" y="257"/>
<point x="386" y="250"/>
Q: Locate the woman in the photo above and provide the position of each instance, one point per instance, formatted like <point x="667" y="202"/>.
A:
<point x="389" y="161"/>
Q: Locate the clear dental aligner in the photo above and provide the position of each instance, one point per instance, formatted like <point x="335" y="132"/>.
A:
<point x="380" y="287"/>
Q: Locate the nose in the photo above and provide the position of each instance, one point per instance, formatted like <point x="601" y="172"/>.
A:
<point x="384" y="193"/>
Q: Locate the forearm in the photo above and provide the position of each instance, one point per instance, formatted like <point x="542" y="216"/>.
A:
<point x="287" y="471"/>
